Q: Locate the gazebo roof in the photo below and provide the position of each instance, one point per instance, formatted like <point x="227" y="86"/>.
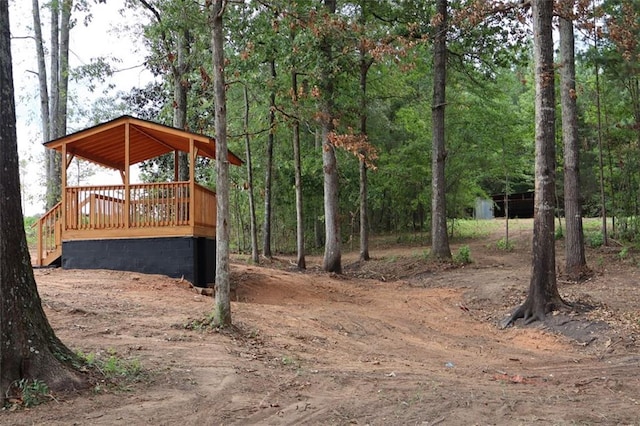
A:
<point x="104" y="144"/>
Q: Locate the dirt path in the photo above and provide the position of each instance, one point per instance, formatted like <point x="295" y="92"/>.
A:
<point x="393" y="341"/>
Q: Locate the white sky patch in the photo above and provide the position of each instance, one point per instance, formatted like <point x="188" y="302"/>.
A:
<point x="106" y="35"/>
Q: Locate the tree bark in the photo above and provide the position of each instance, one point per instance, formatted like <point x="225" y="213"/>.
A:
<point x="543" y="294"/>
<point x="575" y="262"/>
<point x="180" y="91"/>
<point x="222" y="312"/>
<point x="252" y="205"/>
<point x="42" y="72"/>
<point x="30" y="348"/>
<point x="603" y="196"/>
<point x="63" y="86"/>
<point x="332" y="250"/>
<point x="300" y="261"/>
<point x="439" y="238"/>
<point x="266" y="246"/>
<point x="365" y="66"/>
<point x="54" y="58"/>
<point x="54" y="180"/>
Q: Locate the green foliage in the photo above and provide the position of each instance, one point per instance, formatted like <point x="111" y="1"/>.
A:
<point x="30" y="230"/>
<point x="504" y="244"/>
<point x="623" y="253"/>
<point x="594" y="239"/>
<point x="471" y="228"/>
<point x="489" y="126"/>
<point x="206" y="323"/>
<point x="29" y="393"/>
<point x="463" y="255"/>
<point x="559" y="233"/>
<point x="117" y="372"/>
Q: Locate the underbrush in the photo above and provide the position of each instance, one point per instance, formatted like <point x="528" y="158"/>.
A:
<point x="27" y="393"/>
<point x="114" y="373"/>
<point x="30" y="230"/>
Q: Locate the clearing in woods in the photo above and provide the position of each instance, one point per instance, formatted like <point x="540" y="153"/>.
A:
<point x="396" y="340"/>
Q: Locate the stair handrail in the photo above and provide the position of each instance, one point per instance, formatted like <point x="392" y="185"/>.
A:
<point x="44" y="241"/>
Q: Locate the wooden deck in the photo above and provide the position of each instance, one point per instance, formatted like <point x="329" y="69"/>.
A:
<point x="170" y="209"/>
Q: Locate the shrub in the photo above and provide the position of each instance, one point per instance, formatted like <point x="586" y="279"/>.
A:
<point x="595" y="239"/>
<point x="463" y="255"/>
<point x="28" y="393"/>
<point x="504" y="244"/>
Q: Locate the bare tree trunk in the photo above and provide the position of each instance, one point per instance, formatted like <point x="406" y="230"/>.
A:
<point x="42" y="73"/>
<point x="180" y="91"/>
<point x="45" y="116"/>
<point x="332" y="250"/>
<point x="301" y="261"/>
<point x="439" y="238"/>
<point x="365" y="66"/>
<point x="63" y="87"/>
<point x="222" y="312"/>
<point x="54" y="93"/>
<point x="252" y="206"/>
<point x="543" y="294"/>
<point x="576" y="263"/>
<point x="266" y="246"/>
<point x="54" y="180"/>
<point x="30" y="348"/>
<point x="603" y="198"/>
<point x="506" y="197"/>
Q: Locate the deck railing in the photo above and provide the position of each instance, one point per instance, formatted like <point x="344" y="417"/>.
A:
<point x="205" y="209"/>
<point x="49" y="232"/>
<point x="150" y="205"/>
<point x="154" y="209"/>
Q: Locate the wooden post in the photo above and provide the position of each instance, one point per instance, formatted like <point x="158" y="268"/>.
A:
<point x="192" y="182"/>
<point x="63" y="194"/>
<point x="39" y="257"/>
<point x="176" y="165"/>
<point x="127" y="195"/>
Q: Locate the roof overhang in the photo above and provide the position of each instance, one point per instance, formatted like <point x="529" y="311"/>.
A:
<point x="104" y="144"/>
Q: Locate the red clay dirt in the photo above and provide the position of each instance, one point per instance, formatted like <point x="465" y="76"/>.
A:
<point x="397" y="340"/>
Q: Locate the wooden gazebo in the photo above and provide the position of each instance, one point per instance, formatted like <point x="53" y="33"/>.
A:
<point x="164" y="228"/>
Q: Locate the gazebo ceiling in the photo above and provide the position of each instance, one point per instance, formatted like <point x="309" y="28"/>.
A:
<point x="104" y="144"/>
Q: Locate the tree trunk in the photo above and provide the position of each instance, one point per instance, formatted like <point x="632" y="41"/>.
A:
<point x="54" y="180"/>
<point x="365" y="66"/>
<point x="603" y="197"/>
<point x="180" y="91"/>
<point x="222" y="313"/>
<point x="332" y="248"/>
<point x="266" y="246"/>
<point x="54" y="93"/>
<point x="576" y="263"/>
<point x="301" y="261"/>
<point x="439" y="238"/>
<point x="42" y="73"/>
<point x="30" y="349"/>
<point x="252" y="205"/>
<point x="543" y="294"/>
<point x="45" y="116"/>
<point x="63" y="87"/>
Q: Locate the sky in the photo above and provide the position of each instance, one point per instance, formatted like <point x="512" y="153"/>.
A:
<point x="104" y="35"/>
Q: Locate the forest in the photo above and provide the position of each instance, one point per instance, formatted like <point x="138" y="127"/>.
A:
<point x="373" y="129"/>
<point x="379" y="56"/>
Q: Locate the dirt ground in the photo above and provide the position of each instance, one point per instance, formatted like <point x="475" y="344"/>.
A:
<point x="396" y="340"/>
